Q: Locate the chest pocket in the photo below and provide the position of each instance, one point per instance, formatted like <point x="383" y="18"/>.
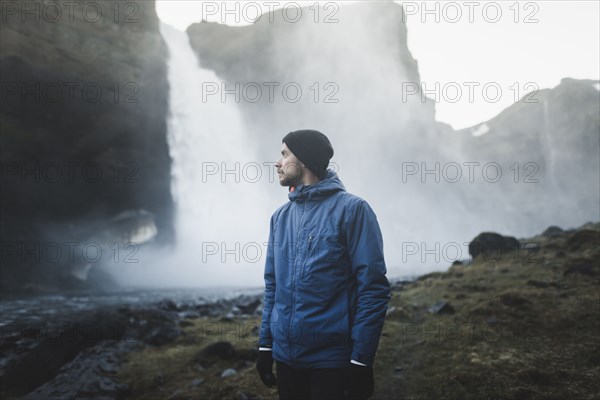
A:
<point x="324" y="252"/>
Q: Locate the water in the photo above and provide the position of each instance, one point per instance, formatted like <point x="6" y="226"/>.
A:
<point x="57" y="308"/>
<point x="222" y="218"/>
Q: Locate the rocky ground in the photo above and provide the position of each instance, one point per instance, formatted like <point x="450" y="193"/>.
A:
<point x="523" y="324"/>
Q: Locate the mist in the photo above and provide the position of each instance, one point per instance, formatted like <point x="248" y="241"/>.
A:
<point x="433" y="188"/>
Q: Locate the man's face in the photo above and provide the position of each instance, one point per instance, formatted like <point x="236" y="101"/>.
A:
<point x="289" y="168"/>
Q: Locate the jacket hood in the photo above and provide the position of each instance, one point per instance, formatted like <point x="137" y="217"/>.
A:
<point x="324" y="188"/>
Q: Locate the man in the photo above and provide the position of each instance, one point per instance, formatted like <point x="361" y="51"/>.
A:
<point x="326" y="293"/>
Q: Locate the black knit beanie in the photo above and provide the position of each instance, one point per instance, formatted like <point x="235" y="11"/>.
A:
<point x="312" y="148"/>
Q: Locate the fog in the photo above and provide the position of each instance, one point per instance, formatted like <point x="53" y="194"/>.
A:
<point x="430" y="194"/>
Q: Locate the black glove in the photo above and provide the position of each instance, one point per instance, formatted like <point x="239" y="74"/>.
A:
<point x="361" y="383"/>
<point x="264" y="365"/>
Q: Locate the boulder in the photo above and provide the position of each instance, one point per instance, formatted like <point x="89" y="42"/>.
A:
<point x="221" y="350"/>
<point x="492" y="246"/>
<point x="228" y="372"/>
<point x="441" y="307"/>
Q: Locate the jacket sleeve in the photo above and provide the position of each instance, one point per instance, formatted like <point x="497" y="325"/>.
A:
<point x="365" y="248"/>
<point x="265" y="338"/>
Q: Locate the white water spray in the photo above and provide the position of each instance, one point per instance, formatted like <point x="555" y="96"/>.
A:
<point x="220" y="188"/>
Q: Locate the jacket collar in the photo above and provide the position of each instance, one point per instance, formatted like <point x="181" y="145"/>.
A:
<point x="322" y="189"/>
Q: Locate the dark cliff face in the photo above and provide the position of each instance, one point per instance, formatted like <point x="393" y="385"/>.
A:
<point x="83" y="121"/>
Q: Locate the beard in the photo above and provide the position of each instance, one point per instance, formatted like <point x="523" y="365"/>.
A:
<point x="290" y="179"/>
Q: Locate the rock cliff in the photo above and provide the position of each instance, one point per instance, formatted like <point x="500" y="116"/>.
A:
<point x="83" y="117"/>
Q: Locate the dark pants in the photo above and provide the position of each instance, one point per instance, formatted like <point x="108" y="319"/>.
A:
<point x="320" y="383"/>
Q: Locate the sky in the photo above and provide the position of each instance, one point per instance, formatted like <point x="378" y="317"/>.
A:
<point x="475" y="58"/>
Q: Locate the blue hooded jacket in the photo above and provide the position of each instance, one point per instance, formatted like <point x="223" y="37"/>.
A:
<point x="326" y="293"/>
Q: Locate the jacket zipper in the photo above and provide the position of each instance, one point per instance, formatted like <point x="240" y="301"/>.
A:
<point x="294" y="287"/>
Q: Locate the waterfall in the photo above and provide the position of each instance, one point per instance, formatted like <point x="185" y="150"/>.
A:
<point x="222" y="210"/>
<point x="551" y="173"/>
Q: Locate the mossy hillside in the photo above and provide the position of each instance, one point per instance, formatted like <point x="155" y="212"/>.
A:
<point x="525" y="325"/>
